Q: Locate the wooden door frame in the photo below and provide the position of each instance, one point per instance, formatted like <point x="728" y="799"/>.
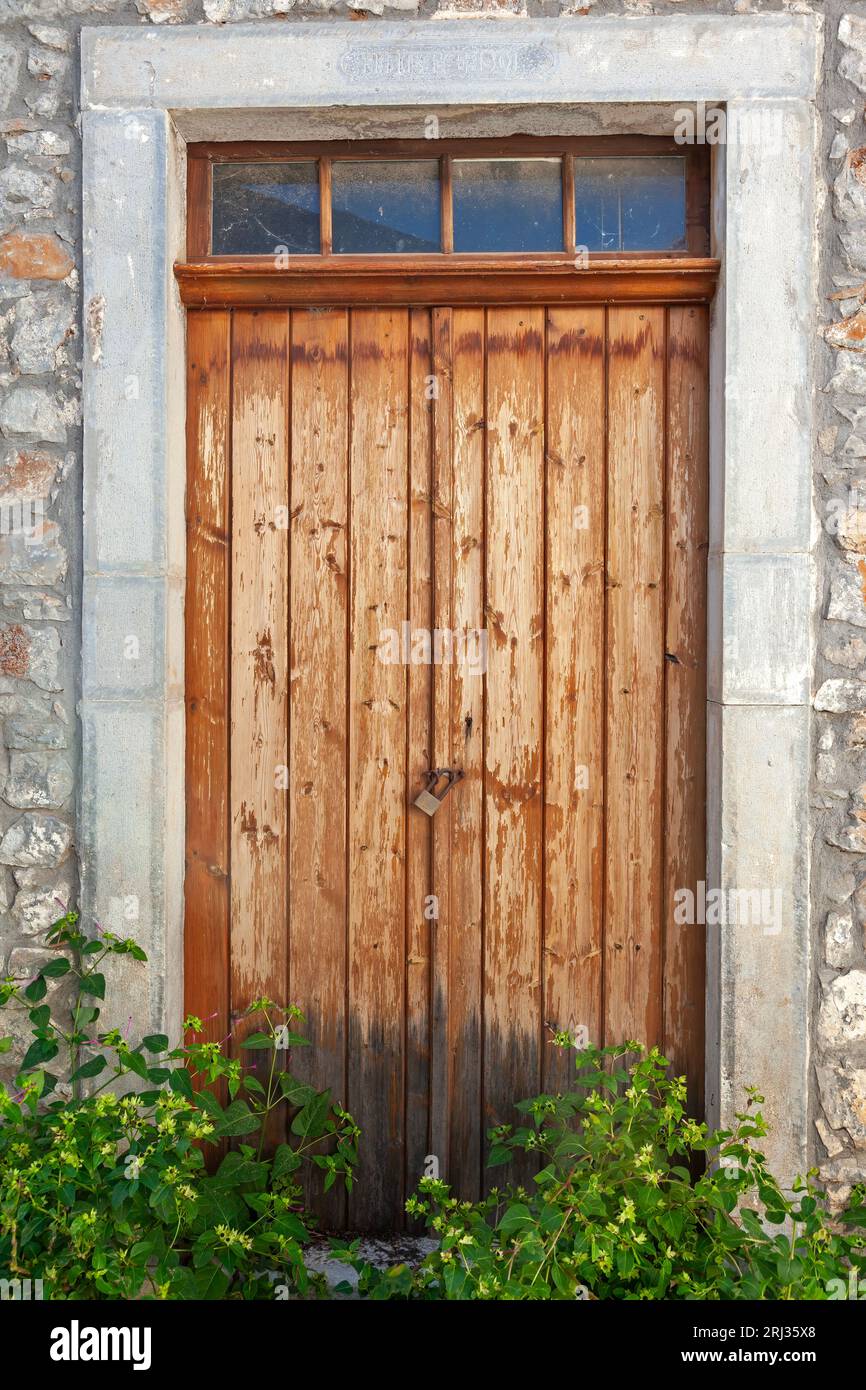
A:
<point x="145" y="94"/>
<point x="447" y="277"/>
<point x="218" y="285"/>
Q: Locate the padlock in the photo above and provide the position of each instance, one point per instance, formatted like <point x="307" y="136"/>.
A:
<point x="427" y="800"/>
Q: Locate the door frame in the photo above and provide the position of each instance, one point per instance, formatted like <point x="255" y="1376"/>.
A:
<point x="145" y="94"/>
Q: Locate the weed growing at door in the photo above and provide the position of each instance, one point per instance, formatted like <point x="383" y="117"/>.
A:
<point x="617" y="1211"/>
<point x="104" y="1193"/>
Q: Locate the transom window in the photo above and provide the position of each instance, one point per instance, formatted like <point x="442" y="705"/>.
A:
<point x="528" y="196"/>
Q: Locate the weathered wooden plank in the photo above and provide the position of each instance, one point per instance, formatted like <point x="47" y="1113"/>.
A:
<point x="420" y="924"/>
<point x="635" y="674"/>
<point x="259" y="659"/>
<point x="443" y="729"/>
<point x="685" y="688"/>
<point x="317" y="751"/>
<point x="513" y="733"/>
<point x="206" y="895"/>
<point x="377" y="756"/>
<point x="574" y="684"/>
<point x="468" y="651"/>
<point x="416" y="280"/>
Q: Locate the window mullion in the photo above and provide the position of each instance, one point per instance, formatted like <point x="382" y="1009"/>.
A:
<point x="447" y="204"/>
<point x="325" y="215"/>
<point x="569" y="237"/>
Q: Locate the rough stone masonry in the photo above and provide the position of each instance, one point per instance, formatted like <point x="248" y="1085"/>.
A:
<point x="40" y="435"/>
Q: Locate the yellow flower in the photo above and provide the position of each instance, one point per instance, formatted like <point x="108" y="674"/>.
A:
<point x="230" y="1237"/>
<point x="627" y="1212"/>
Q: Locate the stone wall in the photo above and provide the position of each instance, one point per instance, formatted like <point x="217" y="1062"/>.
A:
<point x="839" y="886"/>
<point x="40" y="431"/>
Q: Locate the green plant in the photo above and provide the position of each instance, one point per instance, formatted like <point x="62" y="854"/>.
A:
<point x="104" y="1191"/>
<point x="616" y="1211"/>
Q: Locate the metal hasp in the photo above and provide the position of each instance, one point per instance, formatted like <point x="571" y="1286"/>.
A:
<point x="427" y="800"/>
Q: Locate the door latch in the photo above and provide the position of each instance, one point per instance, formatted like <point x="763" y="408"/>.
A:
<point x="435" y="792"/>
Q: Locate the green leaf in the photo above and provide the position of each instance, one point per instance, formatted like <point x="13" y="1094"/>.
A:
<point x="36" y="990"/>
<point x="237" y="1119"/>
<point x="515" y="1218"/>
<point x="258" y="1040"/>
<point x="155" y="1042"/>
<point x="41" y="1050"/>
<point x="295" y="1092"/>
<point x="285" y="1161"/>
<point x="91" y="1068"/>
<point x="209" y="1283"/>
<point x="236" y="1170"/>
<point x="135" y="1063"/>
<point x="789" y="1271"/>
<point x="207" y="1101"/>
<point x="93" y="985"/>
<point x="92" y="948"/>
<point x="288" y="1224"/>
<point x="310" y="1121"/>
<point x="35" y="1082"/>
<point x="41" y="1016"/>
<point x="180" y="1082"/>
<point x="55" y="968"/>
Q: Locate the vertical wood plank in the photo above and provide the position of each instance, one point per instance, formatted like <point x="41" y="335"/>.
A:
<point x="685" y="688"/>
<point x="206" y="891"/>
<point x="574" y="683"/>
<point x="259" y="694"/>
<point x="317" y="723"/>
<point x="635" y="675"/>
<point x="441" y="1108"/>
<point x="377" y="757"/>
<point x="420" y="926"/>
<point x="513" y="755"/>
<point x="467" y="671"/>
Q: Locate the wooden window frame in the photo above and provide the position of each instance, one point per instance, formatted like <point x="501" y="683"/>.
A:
<point x="445" y="276"/>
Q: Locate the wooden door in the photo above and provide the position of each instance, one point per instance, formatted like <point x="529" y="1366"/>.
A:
<point x="532" y="480"/>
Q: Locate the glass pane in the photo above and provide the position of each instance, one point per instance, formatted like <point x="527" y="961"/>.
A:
<point x="385" y="205"/>
<point x="631" y="204"/>
<point x="507" y="204"/>
<point x="260" y="207"/>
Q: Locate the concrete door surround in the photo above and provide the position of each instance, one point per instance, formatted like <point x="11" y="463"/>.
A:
<point x="145" y="92"/>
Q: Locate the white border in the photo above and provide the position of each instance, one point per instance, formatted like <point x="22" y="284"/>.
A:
<point x="145" y="91"/>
